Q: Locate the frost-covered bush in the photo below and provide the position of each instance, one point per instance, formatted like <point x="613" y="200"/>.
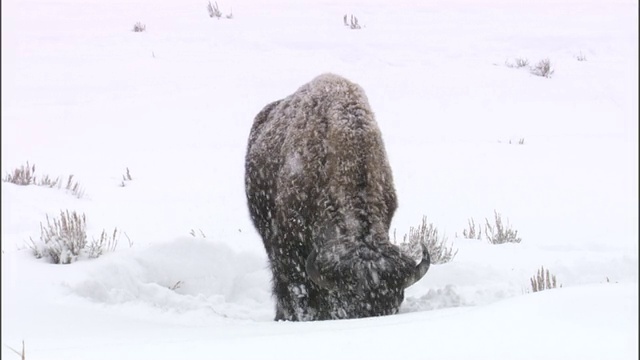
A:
<point x="543" y="280"/>
<point x="139" y="27"/>
<point x="427" y="234"/>
<point x="500" y="233"/>
<point x="543" y="68"/>
<point x="518" y="63"/>
<point x="63" y="240"/>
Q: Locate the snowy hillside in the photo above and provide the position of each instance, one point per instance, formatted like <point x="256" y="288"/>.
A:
<point x="468" y="132"/>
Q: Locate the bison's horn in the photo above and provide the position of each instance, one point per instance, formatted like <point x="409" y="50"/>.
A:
<point x="314" y="273"/>
<point x="420" y="269"/>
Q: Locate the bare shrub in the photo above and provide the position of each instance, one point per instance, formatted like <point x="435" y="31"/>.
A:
<point x="139" y="27"/>
<point x="499" y="233"/>
<point x="176" y="286"/>
<point x="543" y="280"/>
<point x="129" y="240"/>
<point x="522" y="62"/>
<point x="74" y="187"/>
<point x="102" y="244"/>
<point x="125" y="178"/>
<point x="427" y="234"/>
<point x="49" y="182"/>
<point x="214" y="11"/>
<point x="24" y="175"/>
<point x="518" y="63"/>
<point x="19" y="353"/>
<point x="62" y="239"/>
<point x="354" y="23"/>
<point x="471" y="232"/>
<point x="581" y="57"/>
<point x="200" y="233"/>
<point x="543" y="68"/>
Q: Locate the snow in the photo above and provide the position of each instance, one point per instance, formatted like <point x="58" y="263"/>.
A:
<point x="82" y="94"/>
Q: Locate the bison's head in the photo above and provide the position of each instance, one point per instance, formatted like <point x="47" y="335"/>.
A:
<point x="364" y="279"/>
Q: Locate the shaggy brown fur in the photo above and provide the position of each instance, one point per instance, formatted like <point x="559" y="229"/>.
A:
<point x="317" y="178"/>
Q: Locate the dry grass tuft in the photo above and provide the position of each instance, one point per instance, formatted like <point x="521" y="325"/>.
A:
<point x="543" y="280"/>
<point x="471" y="233"/>
<point x="22" y="353"/>
<point x="24" y="175"/>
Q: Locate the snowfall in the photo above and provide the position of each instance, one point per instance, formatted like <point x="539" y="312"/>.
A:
<point x="153" y="126"/>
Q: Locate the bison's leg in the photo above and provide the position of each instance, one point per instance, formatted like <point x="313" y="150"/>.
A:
<point x="297" y="297"/>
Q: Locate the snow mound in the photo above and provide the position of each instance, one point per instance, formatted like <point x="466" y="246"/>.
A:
<point x="187" y="274"/>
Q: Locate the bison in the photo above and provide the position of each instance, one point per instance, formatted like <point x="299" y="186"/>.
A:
<point x="320" y="193"/>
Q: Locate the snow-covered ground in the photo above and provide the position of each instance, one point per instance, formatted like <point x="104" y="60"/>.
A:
<point x="82" y="94"/>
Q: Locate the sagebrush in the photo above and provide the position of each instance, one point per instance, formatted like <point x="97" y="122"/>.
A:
<point x="26" y="175"/>
<point x="427" y="234"/>
<point x="199" y="233"/>
<point x="125" y="178"/>
<point x="105" y="243"/>
<point x="471" y="232"/>
<point x="581" y="57"/>
<point x="543" y="280"/>
<point x="518" y="63"/>
<point x="139" y="27"/>
<point x="543" y="68"/>
<point x="496" y="232"/>
<point x="500" y="233"/>
<point x="63" y="240"/>
<point x="214" y="11"/>
<point x="352" y="23"/>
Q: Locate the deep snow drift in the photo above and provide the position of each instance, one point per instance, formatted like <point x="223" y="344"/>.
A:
<point x="82" y="94"/>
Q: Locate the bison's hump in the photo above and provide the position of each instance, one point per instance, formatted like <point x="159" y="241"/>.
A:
<point x="333" y="88"/>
